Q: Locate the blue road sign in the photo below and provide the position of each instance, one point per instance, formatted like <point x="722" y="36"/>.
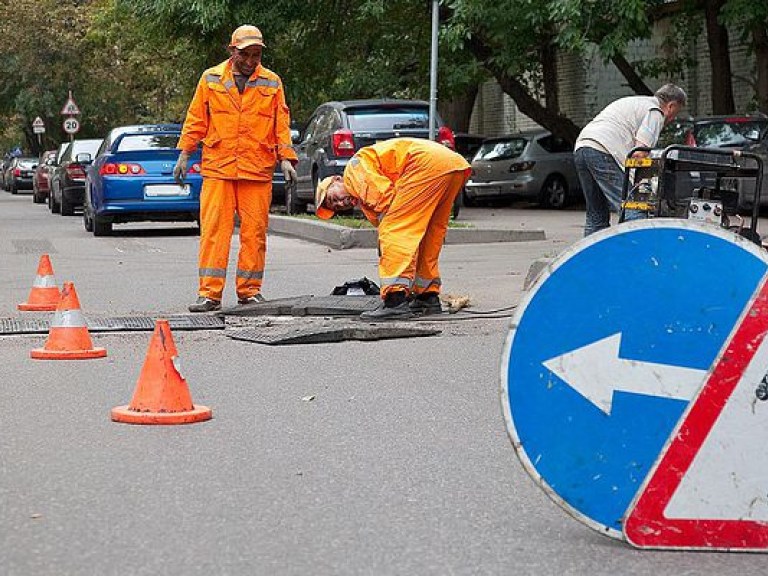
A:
<point x="607" y="349"/>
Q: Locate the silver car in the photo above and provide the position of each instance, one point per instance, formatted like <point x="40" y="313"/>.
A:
<point x="534" y="165"/>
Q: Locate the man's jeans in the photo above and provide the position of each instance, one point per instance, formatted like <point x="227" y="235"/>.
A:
<point x="601" y="181"/>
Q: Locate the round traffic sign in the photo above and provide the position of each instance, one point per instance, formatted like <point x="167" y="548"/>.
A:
<point x="71" y="125"/>
<point x="609" y="347"/>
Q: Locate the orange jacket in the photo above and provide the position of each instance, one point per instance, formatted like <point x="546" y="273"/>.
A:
<point x="243" y="135"/>
<point x="372" y="172"/>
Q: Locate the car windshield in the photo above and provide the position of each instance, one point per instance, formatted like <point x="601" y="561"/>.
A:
<point x="377" y="119"/>
<point x="27" y="163"/>
<point x="134" y="142"/>
<point x="501" y="149"/>
<point x="733" y="132"/>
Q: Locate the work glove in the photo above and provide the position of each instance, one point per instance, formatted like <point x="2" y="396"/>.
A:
<point x="180" y="170"/>
<point x="288" y="172"/>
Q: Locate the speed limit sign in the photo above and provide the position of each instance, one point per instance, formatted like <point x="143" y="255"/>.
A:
<point x="71" y="125"/>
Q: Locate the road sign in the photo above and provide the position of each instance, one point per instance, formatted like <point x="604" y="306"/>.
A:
<point x="608" y="348"/>
<point x="38" y="126"/>
<point x="70" y="108"/>
<point x="71" y="125"/>
<point x="708" y="490"/>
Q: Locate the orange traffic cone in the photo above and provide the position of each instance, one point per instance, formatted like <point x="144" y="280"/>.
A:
<point x="161" y="395"/>
<point x="68" y="337"/>
<point x="44" y="295"/>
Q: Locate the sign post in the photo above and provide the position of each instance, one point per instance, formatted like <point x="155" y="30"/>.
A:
<point x="38" y="127"/>
<point x="71" y="125"/>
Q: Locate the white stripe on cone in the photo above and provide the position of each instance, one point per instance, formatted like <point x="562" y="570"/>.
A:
<point x="44" y="282"/>
<point x="68" y="319"/>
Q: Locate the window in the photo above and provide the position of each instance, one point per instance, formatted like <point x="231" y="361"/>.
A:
<point x="501" y="149"/>
<point x="386" y="118"/>
<point x="133" y="142"/>
<point x="555" y="144"/>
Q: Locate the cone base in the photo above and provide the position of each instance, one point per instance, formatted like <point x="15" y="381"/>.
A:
<point x="43" y="354"/>
<point x="127" y="416"/>
<point x="25" y="307"/>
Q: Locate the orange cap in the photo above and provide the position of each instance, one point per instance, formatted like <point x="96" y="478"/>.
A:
<point x="245" y="36"/>
<point x="320" y="194"/>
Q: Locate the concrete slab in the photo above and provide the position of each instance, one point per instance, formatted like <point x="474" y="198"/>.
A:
<point x="307" y="306"/>
<point x="332" y="331"/>
<point x="341" y="237"/>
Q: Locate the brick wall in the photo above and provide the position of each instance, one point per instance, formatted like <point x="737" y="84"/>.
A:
<point x="587" y="85"/>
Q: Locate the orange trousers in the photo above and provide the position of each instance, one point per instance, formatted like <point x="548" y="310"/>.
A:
<point x="219" y="201"/>
<point x="412" y="231"/>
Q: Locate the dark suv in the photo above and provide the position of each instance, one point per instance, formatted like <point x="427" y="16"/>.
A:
<point x="336" y="130"/>
<point x="67" y="188"/>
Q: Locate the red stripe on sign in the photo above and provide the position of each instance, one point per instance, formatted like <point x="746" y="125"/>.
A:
<point x="646" y="526"/>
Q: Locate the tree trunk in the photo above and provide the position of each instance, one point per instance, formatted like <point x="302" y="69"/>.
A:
<point x="549" y="69"/>
<point x="550" y="119"/>
<point x="760" y="36"/>
<point x="634" y="81"/>
<point x="719" y="59"/>
<point x="457" y="112"/>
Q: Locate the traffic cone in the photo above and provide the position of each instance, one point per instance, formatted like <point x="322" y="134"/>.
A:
<point x="161" y="395"/>
<point x="68" y="337"/>
<point x="44" y="296"/>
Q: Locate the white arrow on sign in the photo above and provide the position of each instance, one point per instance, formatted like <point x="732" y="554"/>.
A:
<point x="595" y="371"/>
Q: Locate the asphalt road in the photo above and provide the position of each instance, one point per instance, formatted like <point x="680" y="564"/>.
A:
<point x="399" y="465"/>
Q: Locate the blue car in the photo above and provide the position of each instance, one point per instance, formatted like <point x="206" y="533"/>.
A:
<point x="131" y="179"/>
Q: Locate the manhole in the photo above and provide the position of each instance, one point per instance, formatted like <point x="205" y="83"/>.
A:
<point x="113" y="324"/>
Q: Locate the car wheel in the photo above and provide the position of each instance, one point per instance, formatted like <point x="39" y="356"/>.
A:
<point x="102" y="226"/>
<point x="55" y="206"/>
<point x="13" y="189"/>
<point x="554" y="192"/>
<point x="37" y="198"/>
<point x="292" y="204"/>
<point x="456" y="207"/>
<point x="467" y="199"/>
<point x="67" y="208"/>
<point x="87" y="220"/>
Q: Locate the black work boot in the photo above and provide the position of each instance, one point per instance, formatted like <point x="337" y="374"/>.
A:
<point x="255" y="299"/>
<point x="393" y="307"/>
<point x="427" y="303"/>
<point x="204" y="304"/>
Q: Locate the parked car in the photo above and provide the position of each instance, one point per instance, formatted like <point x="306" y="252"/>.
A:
<point x="131" y="179"/>
<point x="733" y="132"/>
<point x="468" y="144"/>
<point x="534" y="165"/>
<point x="746" y="186"/>
<point x="336" y="130"/>
<point x="278" y="180"/>
<point x="18" y="176"/>
<point x="41" y="178"/>
<point x="68" y="178"/>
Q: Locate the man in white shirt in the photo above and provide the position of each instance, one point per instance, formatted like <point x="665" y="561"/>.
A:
<point x="603" y="145"/>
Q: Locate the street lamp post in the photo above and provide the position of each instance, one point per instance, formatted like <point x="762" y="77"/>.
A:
<point x="433" y="71"/>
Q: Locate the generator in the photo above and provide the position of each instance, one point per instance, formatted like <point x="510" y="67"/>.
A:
<point x="699" y="184"/>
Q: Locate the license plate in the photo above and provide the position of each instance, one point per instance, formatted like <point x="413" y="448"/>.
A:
<point x="166" y="191"/>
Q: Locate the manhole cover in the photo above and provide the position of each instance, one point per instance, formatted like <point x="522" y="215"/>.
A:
<point x="113" y="324"/>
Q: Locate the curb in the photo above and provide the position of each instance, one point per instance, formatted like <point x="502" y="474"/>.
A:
<point x="341" y="237"/>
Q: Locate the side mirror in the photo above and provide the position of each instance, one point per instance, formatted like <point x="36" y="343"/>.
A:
<point x="83" y="158"/>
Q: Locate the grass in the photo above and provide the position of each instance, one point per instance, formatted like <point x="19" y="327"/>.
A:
<point x="362" y="223"/>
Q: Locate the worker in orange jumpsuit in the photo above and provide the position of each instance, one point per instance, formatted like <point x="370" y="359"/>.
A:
<point x="239" y="114"/>
<point x="406" y="187"/>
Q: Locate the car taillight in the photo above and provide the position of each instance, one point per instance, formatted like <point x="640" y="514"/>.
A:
<point x="17" y="171"/>
<point x="113" y="169"/>
<point x="343" y="143"/>
<point x="75" y="172"/>
<point x="195" y="169"/>
<point x="446" y="138"/>
<point x="521" y="166"/>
